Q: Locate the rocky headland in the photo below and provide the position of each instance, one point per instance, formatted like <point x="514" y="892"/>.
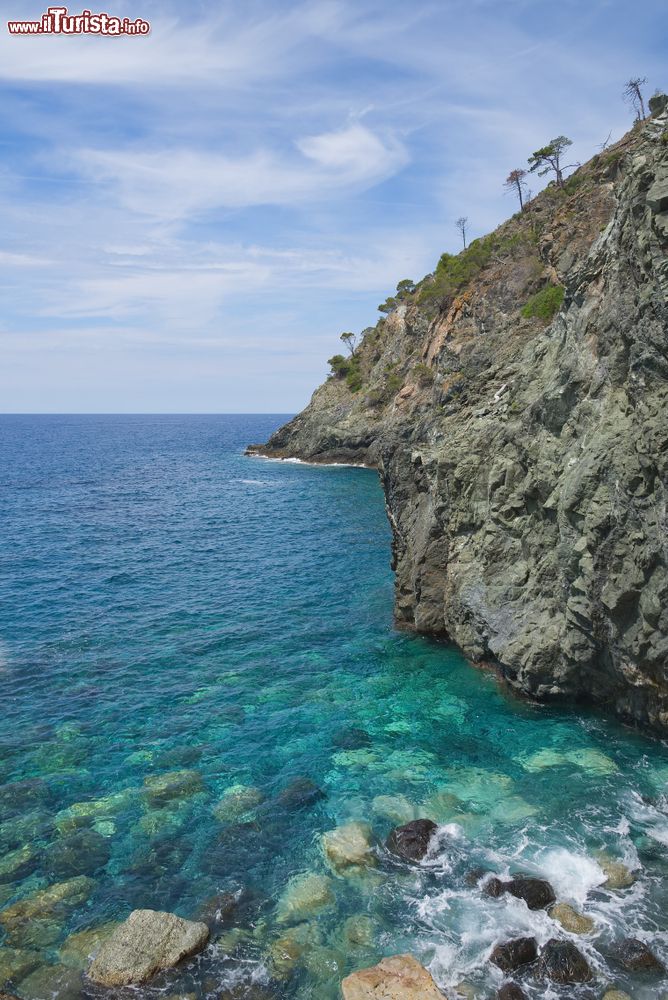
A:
<point x="515" y="404"/>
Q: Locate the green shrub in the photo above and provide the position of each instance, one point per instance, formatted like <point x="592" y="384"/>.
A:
<point x="423" y="374"/>
<point x="545" y="303"/>
<point x="339" y="365"/>
<point x="388" y="305"/>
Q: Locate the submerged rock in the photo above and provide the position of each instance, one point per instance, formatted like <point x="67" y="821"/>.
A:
<point x="616" y="995"/>
<point x="59" y="898"/>
<point x="351" y="739"/>
<point x="411" y="841"/>
<point x="348" y="846"/>
<point x="81" y="853"/>
<point x="637" y="957"/>
<point x="561" y="962"/>
<point x="161" y="788"/>
<point x="571" y="920"/>
<point x="16" y="963"/>
<point x="512" y="955"/>
<point x="237" y="801"/>
<point x="287" y="950"/>
<point x="396" y="808"/>
<point x="400" y="977"/>
<point x="18" y="864"/>
<point x="81" y="814"/>
<point x="51" y="981"/>
<point x="303" y="895"/>
<point x="300" y="794"/>
<point x="77" y="950"/>
<point x="618" y="876"/>
<point x="144" y="944"/>
<point x="360" y="930"/>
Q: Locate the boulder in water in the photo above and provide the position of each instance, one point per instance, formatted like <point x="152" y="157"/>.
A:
<point x="510" y="991"/>
<point x="411" y="841"/>
<point x="511" y="955"/>
<point x="494" y="887"/>
<point x="237" y="801"/>
<point x="571" y="920"/>
<point x="81" y="853"/>
<point x="348" y="846"/>
<point x="303" y="895"/>
<point x="637" y="957"/>
<point x="536" y="892"/>
<point x="351" y="739"/>
<point x="400" y="977"/>
<point x="300" y="794"/>
<point x="162" y="788"/>
<point x="144" y="944"/>
<point x="561" y="962"/>
<point x="618" y="876"/>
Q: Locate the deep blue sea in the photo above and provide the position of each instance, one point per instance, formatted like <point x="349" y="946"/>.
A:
<point x="199" y="676"/>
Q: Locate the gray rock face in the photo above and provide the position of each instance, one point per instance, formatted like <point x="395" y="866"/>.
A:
<point x="525" y="459"/>
<point x="147" y="942"/>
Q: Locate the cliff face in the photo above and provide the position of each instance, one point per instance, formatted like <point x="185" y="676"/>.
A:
<point x="524" y="452"/>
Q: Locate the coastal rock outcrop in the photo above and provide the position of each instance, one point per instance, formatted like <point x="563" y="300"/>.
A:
<point x="143" y="945"/>
<point x="515" y="404"/>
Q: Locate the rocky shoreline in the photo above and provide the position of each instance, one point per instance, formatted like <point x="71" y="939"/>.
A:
<point x="522" y="454"/>
<point x="135" y="952"/>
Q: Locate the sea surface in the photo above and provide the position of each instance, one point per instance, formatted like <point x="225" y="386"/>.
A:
<point x="199" y="676"/>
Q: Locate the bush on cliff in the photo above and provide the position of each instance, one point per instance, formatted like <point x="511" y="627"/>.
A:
<point x="545" y="303"/>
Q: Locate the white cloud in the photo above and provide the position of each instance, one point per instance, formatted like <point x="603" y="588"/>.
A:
<point x="175" y="183"/>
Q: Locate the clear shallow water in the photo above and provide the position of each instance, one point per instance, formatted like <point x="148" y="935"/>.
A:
<point x="170" y="607"/>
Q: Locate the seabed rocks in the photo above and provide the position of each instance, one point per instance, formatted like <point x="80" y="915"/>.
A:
<point x="304" y="894"/>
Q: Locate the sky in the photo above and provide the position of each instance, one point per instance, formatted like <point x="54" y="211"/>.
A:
<point x="190" y="218"/>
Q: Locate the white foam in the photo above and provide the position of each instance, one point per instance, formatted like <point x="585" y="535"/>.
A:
<point x="573" y="875"/>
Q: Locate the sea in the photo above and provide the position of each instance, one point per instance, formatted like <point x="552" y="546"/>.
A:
<point x="200" y="676"/>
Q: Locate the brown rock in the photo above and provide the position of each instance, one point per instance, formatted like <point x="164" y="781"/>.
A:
<point x="636" y="956"/>
<point x="561" y="962"/>
<point x="536" y="892"/>
<point x="510" y="991"/>
<point x="411" y="841"/>
<point x="400" y="977"/>
<point x="571" y="920"/>
<point x="511" y="955"/>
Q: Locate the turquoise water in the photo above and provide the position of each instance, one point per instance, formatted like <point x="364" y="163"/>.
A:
<point x="185" y="632"/>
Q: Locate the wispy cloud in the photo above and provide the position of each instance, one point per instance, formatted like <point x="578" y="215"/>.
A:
<point x="190" y="218"/>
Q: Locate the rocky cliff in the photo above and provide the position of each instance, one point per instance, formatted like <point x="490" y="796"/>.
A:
<point x="515" y="404"/>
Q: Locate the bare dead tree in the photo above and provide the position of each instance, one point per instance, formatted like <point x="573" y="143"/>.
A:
<point x="606" y="142"/>
<point x="461" y="224"/>
<point x="633" y="96"/>
<point x="516" y="184"/>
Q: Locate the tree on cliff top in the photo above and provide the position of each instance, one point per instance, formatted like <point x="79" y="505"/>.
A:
<point x="461" y="224"/>
<point x="549" y="159"/>
<point x="350" y="340"/>
<point x="515" y="182"/>
<point x="633" y="96"/>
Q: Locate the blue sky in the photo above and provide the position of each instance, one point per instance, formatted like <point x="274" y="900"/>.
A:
<point x="191" y="218"/>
